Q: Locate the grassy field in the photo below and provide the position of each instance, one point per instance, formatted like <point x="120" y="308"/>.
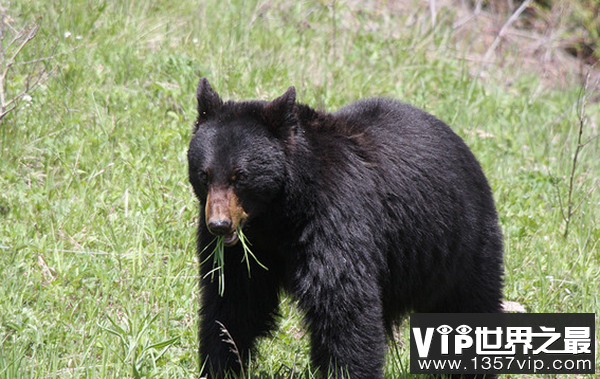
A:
<point x="98" y="276"/>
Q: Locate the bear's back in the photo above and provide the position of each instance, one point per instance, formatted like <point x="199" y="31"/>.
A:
<point x="420" y="161"/>
<point x="380" y="116"/>
<point x="405" y="135"/>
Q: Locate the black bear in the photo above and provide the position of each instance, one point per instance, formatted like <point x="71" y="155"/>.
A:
<point x="362" y="215"/>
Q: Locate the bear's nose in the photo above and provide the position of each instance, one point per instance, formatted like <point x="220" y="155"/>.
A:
<point x="219" y="227"/>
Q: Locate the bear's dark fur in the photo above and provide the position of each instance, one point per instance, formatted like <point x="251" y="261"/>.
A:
<point x="362" y="215"/>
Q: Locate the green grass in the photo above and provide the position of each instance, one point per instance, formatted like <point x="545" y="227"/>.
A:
<point x="217" y="257"/>
<point x="98" y="275"/>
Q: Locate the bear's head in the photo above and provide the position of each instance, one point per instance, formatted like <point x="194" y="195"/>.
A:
<point x="237" y="157"/>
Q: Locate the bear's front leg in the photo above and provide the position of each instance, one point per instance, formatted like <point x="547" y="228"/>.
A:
<point x="343" y="308"/>
<point x="230" y="324"/>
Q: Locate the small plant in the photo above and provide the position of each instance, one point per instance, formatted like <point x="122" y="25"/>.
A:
<point x="135" y="343"/>
<point x="227" y="338"/>
<point x="569" y="208"/>
<point x="218" y="258"/>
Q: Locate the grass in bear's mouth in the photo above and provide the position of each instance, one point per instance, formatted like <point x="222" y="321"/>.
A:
<point x="218" y="258"/>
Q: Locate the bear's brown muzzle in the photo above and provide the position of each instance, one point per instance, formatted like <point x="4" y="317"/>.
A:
<point x="224" y="214"/>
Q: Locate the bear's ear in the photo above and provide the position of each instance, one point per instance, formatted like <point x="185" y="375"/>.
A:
<point x="209" y="101"/>
<point x="279" y="113"/>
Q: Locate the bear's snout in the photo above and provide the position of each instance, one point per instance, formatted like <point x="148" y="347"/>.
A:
<point x="224" y="214"/>
<point x="219" y="227"/>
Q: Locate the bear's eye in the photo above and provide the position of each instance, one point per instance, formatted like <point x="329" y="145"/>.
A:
<point x="239" y="177"/>
<point x="204" y="176"/>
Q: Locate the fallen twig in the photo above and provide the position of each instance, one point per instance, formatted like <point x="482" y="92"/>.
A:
<point x="504" y="28"/>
